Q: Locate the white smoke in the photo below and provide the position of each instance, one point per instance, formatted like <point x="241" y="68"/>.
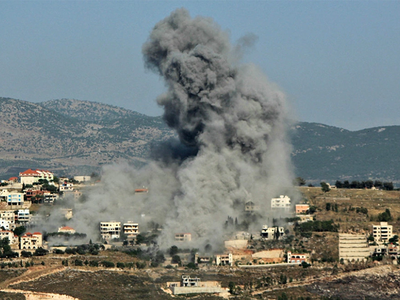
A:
<point x="232" y="126"/>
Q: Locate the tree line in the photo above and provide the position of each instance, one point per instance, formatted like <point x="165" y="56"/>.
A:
<point x="364" y="184"/>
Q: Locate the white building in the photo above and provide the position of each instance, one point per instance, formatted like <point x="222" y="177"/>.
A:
<point x="271" y="233"/>
<point x="281" y="202"/>
<point x="224" y="259"/>
<point x="8" y="215"/>
<point x="382" y="232"/>
<point x="110" y="230"/>
<point x="23" y="215"/>
<point x="30" y="176"/>
<point x="66" y="187"/>
<point x="131" y="229"/>
<point x="5" y="224"/>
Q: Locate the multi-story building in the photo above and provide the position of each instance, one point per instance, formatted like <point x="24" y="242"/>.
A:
<point x="7" y="215"/>
<point x="31" y="241"/>
<point x="50" y="198"/>
<point x="302" y="208"/>
<point x="30" y="176"/>
<point x="66" y="187"/>
<point x="4" y="224"/>
<point x="224" y="259"/>
<point x="281" y="202"/>
<point x="12" y="198"/>
<point x="130" y="229"/>
<point x="271" y="233"/>
<point x="382" y="232"/>
<point x="23" y="215"/>
<point x="110" y="230"/>
<point x="183" y="237"/>
<point x="13" y="239"/>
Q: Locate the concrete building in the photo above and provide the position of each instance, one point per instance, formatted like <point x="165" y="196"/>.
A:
<point x="31" y="176"/>
<point x="353" y="247"/>
<point x="31" y="241"/>
<point x="224" y="259"/>
<point x="50" y="198"/>
<point x="66" y="187"/>
<point x="110" y="230"/>
<point x="297" y="258"/>
<point x="4" y="224"/>
<point x="270" y="233"/>
<point x="382" y="232"/>
<point x="12" y="198"/>
<point x="8" y="215"/>
<point x="130" y="229"/>
<point x="23" y="215"/>
<point x="13" y="239"/>
<point x="302" y="208"/>
<point x="183" y="237"/>
<point x="282" y="202"/>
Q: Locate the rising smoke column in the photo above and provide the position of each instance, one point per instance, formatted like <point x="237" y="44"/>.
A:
<point x="232" y="116"/>
<point x="232" y="147"/>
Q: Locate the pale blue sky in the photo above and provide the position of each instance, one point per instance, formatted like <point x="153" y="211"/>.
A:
<point x="338" y="61"/>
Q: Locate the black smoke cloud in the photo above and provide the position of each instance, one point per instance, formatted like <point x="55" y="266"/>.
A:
<point x="231" y="123"/>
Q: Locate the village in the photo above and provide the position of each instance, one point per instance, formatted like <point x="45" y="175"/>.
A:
<point x="270" y="246"/>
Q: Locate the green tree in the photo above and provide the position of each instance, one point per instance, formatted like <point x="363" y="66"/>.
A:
<point x="20" y="230"/>
<point x="299" y="181"/>
<point x="325" y="187"/>
<point x="173" y="250"/>
<point x="176" y="259"/>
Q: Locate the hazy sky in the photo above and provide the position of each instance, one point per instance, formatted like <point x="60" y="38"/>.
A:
<point x="337" y="61"/>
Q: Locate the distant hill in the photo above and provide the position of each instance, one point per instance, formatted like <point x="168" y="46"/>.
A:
<point x="329" y="153"/>
<point x="72" y="137"/>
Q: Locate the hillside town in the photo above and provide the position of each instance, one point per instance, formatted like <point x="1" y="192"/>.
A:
<point x="271" y="245"/>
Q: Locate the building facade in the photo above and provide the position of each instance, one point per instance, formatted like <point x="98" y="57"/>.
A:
<point x="281" y="202"/>
<point x="130" y="229"/>
<point x="110" y="230"/>
<point x="31" y="176"/>
<point x="382" y="232"/>
<point x="31" y="241"/>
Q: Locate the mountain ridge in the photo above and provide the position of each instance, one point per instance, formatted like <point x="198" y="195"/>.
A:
<point x="73" y="137"/>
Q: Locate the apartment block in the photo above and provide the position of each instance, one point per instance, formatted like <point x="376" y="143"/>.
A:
<point x="130" y="229"/>
<point x="31" y="241"/>
<point x="224" y="259"/>
<point x="281" y="202"/>
<point x="110" y="230"/>
<point x="382" y="232"/>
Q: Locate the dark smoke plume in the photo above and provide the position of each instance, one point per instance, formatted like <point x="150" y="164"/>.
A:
<point x="232" y="146"/>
